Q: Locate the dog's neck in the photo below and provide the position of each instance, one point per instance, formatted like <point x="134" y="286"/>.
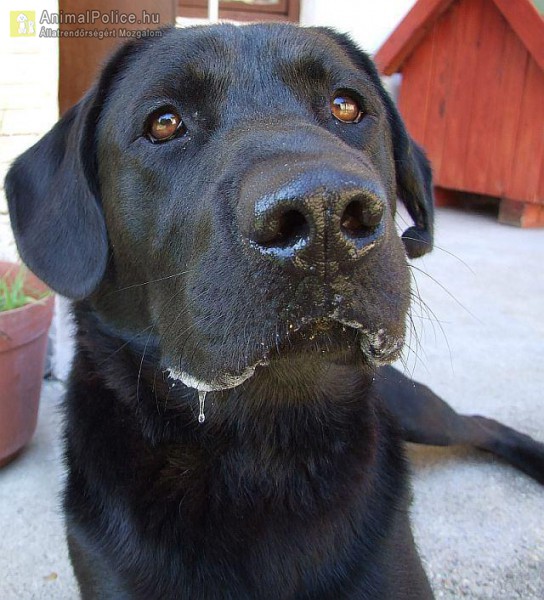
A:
<point x="298" y="392"/>
<point x="325" y="461"/>
<point x="270" y="423"/>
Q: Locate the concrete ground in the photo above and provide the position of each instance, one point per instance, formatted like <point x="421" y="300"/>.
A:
<point x="479" y="523"/>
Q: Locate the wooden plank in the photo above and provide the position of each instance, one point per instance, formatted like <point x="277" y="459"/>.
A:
<point x="521" y="214"/>
<point x="529" y="150"/>
<point x="463" y="88"/>
<point x="408" y="34"/>
<point x="197" y="12"/>
<point x="540" y="189"/>
<point x="526" y="21"/>
<point x="488" y="101"/>
<point x="284" y="10"/>
<point x="293" y="11"/>
<point x="510" y="96"/>
<point x="446" y="198"/>
<point x="443" y="37"/>
<point x="280" y="6"/>
<point x="414" y="97"/>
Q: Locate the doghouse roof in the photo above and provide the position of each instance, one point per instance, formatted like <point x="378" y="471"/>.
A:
<point x="521" y="15"/>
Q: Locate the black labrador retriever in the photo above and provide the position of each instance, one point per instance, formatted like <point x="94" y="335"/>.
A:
<point x="220" y="207"/>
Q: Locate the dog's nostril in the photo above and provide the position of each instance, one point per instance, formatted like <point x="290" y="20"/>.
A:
<point x="361" y="218"/>
<point x="285" y="230"/>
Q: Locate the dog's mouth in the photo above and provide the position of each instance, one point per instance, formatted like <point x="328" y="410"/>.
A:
<point x="332" y="339"/>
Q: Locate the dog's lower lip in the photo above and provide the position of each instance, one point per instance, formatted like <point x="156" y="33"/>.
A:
<point x="322" y="336"/>
<point x="224" y="382"/>
<point x="311" y="337"/>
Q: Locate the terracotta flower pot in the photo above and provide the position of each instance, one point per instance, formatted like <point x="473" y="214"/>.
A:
<point x="23" y="346"/>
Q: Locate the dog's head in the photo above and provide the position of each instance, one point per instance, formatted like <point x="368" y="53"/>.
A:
<point x="231" y="190"/>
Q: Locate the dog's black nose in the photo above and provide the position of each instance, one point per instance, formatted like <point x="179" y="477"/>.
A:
<point x="310" y="222"/>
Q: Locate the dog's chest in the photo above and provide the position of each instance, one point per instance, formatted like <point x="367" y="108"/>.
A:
<point x="183" y="522"/>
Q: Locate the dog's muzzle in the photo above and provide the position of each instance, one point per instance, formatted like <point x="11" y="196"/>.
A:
<point x="320" y="217"/>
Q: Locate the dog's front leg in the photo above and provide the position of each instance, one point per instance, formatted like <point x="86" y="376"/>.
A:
<point x="427" y="419"/>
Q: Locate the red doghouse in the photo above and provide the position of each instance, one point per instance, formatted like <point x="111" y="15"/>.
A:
<point x="472" y="95"/>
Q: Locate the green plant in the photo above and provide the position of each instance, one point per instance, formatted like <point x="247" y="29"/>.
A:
<point x="13" y="293"/>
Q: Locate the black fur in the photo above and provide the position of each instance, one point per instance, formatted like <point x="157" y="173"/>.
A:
<point x="295" y="485"/>
<point x="275" y="497"/>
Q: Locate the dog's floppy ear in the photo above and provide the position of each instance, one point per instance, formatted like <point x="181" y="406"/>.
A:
<point x="414" y="184"/>
<point x="54" y="197"/>
<point x="413" y="171"/>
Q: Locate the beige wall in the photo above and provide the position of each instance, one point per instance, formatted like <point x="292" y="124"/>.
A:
<point x="28" y="95"/>
<point x="369" y="22"/>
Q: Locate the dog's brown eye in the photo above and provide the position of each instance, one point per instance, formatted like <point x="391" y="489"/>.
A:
<point x="346" y="109"/>
<point x="164" y="125"/>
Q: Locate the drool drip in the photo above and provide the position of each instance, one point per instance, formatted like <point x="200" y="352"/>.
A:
<point x="201" y="400"/>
